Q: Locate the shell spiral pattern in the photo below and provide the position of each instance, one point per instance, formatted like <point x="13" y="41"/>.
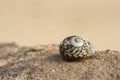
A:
<point x="73" y="48"/>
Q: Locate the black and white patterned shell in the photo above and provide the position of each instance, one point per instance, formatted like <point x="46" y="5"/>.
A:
<point x="75" y="47"/>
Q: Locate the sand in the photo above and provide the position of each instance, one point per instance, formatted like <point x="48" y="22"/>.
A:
<point x="44" y="62"/>
<point x="33" y="22"/>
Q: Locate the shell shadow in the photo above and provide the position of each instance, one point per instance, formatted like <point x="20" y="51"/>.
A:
<point x="55" y="58"/>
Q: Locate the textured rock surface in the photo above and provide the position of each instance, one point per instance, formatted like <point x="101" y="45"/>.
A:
<point x="45" y="63"/>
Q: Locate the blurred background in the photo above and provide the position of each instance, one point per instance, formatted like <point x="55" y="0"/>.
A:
<point x="35" y="22"/>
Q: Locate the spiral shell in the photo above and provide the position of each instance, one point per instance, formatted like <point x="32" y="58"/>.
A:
<point x="75" y="47"/>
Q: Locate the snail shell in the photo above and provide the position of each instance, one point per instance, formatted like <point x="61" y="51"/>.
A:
<point x="75" y="47"/>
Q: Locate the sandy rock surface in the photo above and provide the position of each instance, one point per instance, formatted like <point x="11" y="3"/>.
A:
<point x="45" y="63"/>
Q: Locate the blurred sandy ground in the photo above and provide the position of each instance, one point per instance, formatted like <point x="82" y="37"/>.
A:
<point x="34" y="22"/>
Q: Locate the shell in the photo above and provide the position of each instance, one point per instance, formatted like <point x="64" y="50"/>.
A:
<point x="75" y="47"/>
